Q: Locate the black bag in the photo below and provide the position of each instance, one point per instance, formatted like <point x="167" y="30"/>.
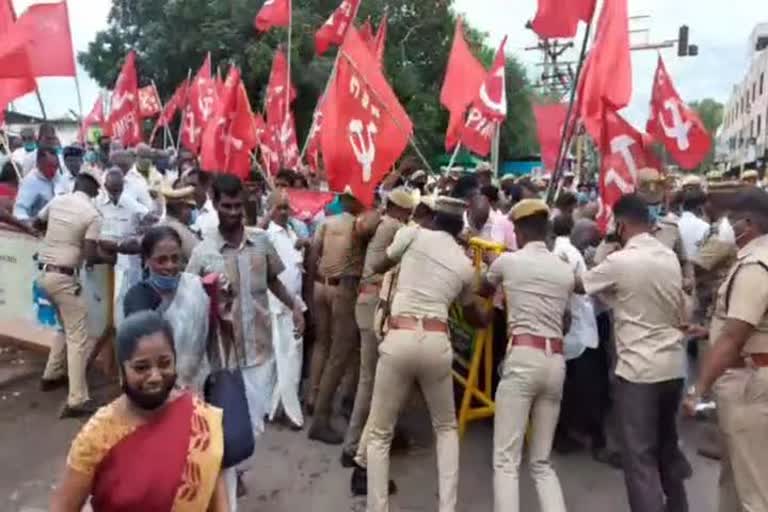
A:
<point x="225" y="389"/>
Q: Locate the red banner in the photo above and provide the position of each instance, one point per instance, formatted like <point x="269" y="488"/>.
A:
<point x="124" y="119"/>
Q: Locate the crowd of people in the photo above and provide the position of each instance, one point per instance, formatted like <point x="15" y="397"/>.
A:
<point x="347" y="312"/>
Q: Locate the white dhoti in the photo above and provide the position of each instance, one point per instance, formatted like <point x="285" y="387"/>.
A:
<point x="288" y="358"/>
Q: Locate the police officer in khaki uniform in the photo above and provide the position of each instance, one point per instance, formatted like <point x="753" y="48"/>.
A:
<point x="400" y="204"/>
<point x="642" y="283"/>
<point x="537" y="287"/>
<point x="338" y="249"/>
<point x="71" y="237"/>
<point x="740" y="332"/>
<point x="434" y="272"/>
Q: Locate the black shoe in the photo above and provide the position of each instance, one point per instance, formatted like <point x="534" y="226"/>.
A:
<point x="606" y="456"/>
<point x="47" y="385"/>
<point x="79" y="411"/>
<point x="359" y="483"/>
<point x="348" y="460"/>
<point x="325" y="434"/>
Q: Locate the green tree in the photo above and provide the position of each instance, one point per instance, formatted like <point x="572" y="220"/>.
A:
<point x="172" y="38"/>
<point x="711" y="114"/>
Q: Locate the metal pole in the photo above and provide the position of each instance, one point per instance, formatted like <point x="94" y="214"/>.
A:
<point x="288" y="75"/>
<point x="40" y="102"/>
<point x="495" y="149"/>
<point x="453" y="156"/>
<point x="79" y="98"/>
<point x="563" y="146"/>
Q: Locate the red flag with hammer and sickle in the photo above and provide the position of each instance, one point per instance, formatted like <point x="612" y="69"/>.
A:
<point x="201" y="106"/>
<point x="280" y="121"/>
<point x="675" y="124"/>
<point x="623" y="153"/>
<point x="488" y="110"/>
<point x="335" y="28"/>
<point x="124" y="119"/>
<point x="149" y="103"/>
<point x="365" y="129"/>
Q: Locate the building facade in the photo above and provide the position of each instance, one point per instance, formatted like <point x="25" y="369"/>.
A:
<point x="743" y="138"/>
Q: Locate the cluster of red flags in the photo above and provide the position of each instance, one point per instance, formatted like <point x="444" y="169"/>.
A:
<point x="37" y="44"/>
<point x="475" y="98"/>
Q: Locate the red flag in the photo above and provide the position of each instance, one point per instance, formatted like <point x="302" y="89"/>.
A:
<point x="623" y="153"/>
<point x="124" y="120"/>
<point x="366" y="34"/>
<point x="380" y="41"/>
<point x="488" y="109"/>
<point x="607" y="72"/>
<point x="675" y="124"/>
<point x="149" y="103"/>
<point x="335" y="28"/>
<point x="12" y="88"/>
<point x="230" y="136"/>
<point x="200" y="107"/>
<point x="308" y="203"/>
<point x="365" y="129"/>
<point x="274" y="13"/>
<point x="95" y="117"/>
<point x="269" y="158"/>
<point x="559" y="19"/>
<point x="463" y="78"/>
<point x="280" y="122"/>
<point x="550" y="121"/>
<point x="176" y="103"/>
<point x="50" y="46"/>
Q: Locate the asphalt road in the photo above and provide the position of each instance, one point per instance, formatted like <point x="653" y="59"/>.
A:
<point x="292" y="474"/>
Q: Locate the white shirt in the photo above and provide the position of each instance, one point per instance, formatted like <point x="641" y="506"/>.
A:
<point x="725" y="231"/>
<point x="583" y="332"/>
<point x="692" y="231"/>
<point x="207" y="219"/>
<point x="284" y="240"/>
<point x="121" y="221"/>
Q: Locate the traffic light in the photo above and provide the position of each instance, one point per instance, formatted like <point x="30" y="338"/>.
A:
<point x="682" y="42"/>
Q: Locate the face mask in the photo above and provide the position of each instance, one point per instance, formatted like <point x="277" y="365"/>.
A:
<point x="147" y="401"/>
<point x="654" y="212"/>
<point x="582" y="198"/>
<point x="30" y="146"/>
<point x="59" y="151"/>
<point x="193" y="215"/>
<point x="164" y="283"/>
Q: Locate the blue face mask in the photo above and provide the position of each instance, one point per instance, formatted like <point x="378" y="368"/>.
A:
<point x="59" y="151"/>
<point x="30" y="146"/>
<point x="582" y="197"/>
<point x="193" y="215"/>
<point x="164" y="283"/>
<point x="654" y="213"/>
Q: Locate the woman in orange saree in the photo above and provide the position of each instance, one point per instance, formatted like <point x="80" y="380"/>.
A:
<point x="153" y="449"/>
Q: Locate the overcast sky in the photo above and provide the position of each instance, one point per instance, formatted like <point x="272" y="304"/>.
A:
<point x="720" y="28"/>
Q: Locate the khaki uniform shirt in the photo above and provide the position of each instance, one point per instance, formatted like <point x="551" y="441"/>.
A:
<point x="249" y="268"/>
<point x="642" y="283"/>
<point x="377" y="248"/>
<point x="537" y="285"/>
<point x="712" y="263"/>
<point x="744" y="296"/>
<point x="72" y="219"/>
<point x="189" y="239"/>
<point x="434" y="272"/>
<point x="343" y="250"/>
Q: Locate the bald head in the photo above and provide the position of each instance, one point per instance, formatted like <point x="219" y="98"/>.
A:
<point x="585" y="234"/>
<point x="113" y="183"/>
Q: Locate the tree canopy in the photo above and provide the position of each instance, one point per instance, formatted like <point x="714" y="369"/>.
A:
<point x="171" y="38"/>
<point x="711" y="114"/>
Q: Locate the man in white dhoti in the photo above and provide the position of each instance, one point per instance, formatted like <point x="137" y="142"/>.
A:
<point x="287" y="346"/>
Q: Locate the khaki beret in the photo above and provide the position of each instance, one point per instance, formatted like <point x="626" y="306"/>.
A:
<point x="507" y="177"/>
<point x="450" y="205"/>
<point x="418" y="175"/>
<point x="184" y="194"/>
<point x="750" y="175"/>
<point x="402" y="198"/>
<point x="691" y="181"/>
<point x="527" y="208"/>
<point x="649" y="175"/>
<point x="483" y="167"/>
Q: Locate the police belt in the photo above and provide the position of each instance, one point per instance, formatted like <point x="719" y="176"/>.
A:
<point x="336" y="281"/>
<point x="553" y="345"/>
<point x="412" y="323"/>
<point x="56" y="269"/>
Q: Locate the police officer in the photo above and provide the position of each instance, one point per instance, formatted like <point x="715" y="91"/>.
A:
<point x="339" y="249"/>
<point x="434" y="272"/>
<point x="740" y="332"/>
<point x="179" y="205"/>
<point x="537" y="286"/>
<point x="400" y="204"/>
<point x="74" y="226"/>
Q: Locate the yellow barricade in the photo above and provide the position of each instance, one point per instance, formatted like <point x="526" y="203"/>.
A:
<point x="473" y="349"/>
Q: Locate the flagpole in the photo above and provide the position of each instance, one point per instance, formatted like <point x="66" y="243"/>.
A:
<point x="79" y="97"/>
<point x="495" y="149"/>
<point x="288" y="74"/>
<point x="7" y="145"/>
<point x="453" y="156"/>
<point x="40" y="102"/>
<point x="567" y="130"/>
<point x="184" y="111"/>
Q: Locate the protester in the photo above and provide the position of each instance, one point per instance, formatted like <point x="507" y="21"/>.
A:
<point x="143" y="180"/>
<point x="37" y="188"/>
<point x="179" y="297"/>
<point x="434" y="272"/>
<point x="176" y="427"/>
<point x="692" y="227"/>
<point x="642" y="283"/>
<point x="206" y="220"/>
<point x="288" y="347"/>
<point x="28" y="147"/>
<point x="70" y="168"/>
<point x="71" y="237"/>
<point x="180" y="208"/>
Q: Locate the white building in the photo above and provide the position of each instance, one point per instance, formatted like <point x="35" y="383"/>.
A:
<point x="743" y="140"/>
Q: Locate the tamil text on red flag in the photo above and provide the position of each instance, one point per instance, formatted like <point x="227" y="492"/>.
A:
<point x="124" y="121"/>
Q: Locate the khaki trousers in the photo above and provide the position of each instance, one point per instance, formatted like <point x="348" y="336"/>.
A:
<point x="68" y="355"/>
<point x="531" y="387"/>
<point x="731" y="382"/>
<point x="339" y="301"/>
<point x="743" y="416"/>
<point x="406" y="358"/>
<point x="369" y="356"/>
